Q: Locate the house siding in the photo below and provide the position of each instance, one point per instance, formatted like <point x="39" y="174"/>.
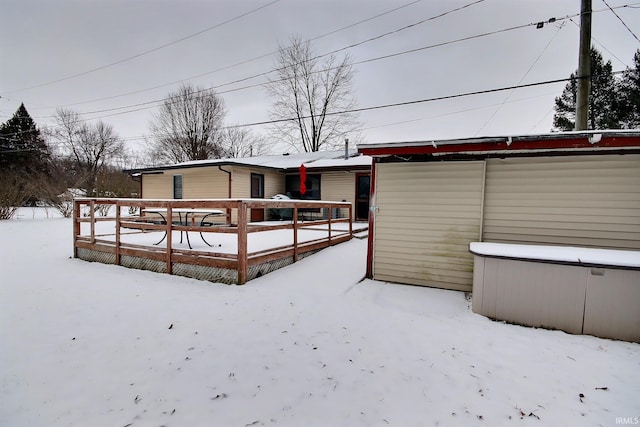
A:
<point x="338" y="187"/>
<point x="241" y="187"/>
<point x="590" y="201"/>
<point x="428" y="214"/>
<point x="197" y="183"/>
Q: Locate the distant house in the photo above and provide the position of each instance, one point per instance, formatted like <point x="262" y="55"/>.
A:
<point x="432" y="198"/>
<point x="330" y="175"/>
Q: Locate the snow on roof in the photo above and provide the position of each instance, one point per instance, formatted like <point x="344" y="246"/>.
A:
<point x="353" y="161"/>
<point x="563" y="254"/>
<point x="318" y="159"/>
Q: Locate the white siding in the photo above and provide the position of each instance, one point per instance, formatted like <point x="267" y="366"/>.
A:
<point x="591" y="201"/>
<point x="428" y="214"/>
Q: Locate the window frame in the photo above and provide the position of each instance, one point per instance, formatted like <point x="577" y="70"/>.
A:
<point x="181" y="186"/>
<point x="260" y="178"/>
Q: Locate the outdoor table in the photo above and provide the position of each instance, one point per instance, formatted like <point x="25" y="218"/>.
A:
<point x="186" y="211"/>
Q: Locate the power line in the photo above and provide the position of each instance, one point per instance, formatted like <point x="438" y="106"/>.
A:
<point x="405" y="52"/>
<point x="148" y="104"/>
<point x="312" y="39"/>
<point x="370" y="60"/>
<point x="520" y="81"/>
<point x="456" y="112"/>
<point x="397" y="104"/>
<point x="618" y="16"/>
<point x="405" y="103"/>
<point x="601" y="45"/>
<point x="393" y="105"/>
<point x="146" y="52"/>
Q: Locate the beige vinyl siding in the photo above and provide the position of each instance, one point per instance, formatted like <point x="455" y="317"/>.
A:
<point x="428" y="214"/>
<point x="241" y="188"/>
<point x="339" y="186"/>
<point x="591" y="201"/>
<point x="157" y="186"/>
<point x="197" y="183"/>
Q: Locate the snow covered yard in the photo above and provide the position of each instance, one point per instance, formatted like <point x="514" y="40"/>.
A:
<point x="87" y="344"/>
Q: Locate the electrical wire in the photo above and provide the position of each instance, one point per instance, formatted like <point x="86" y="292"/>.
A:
<point x="455" y="112"/>
<point x="397" y="104"/>
<point x="601" y="45"/>
<point x="521" y="80"/>
<point x="146" y="52"/>
<point x="370" y="60"/>
<point x="274" y="52"/>
<point x="149" y="104"/>
<point x="620" y="19"/>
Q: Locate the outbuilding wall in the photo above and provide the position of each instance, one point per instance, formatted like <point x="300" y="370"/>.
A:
<point x="590" y="201"/>
<point x="427" y="213"/>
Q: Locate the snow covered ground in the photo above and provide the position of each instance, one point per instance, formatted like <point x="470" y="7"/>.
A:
<point x="85" y="344"/>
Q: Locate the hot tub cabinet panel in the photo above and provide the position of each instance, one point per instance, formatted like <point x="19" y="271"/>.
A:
<point x="598" y="300"/>
<point x="612" y="306"/>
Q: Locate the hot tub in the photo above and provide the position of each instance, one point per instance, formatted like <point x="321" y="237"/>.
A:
<point x="577" y="290"/>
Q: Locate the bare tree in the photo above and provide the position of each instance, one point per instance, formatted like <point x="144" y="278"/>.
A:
<point x="310" y="98"/>
<point x="240" y="142"/>
<point x="188" y="126"/>
<point x="90" y="146"/>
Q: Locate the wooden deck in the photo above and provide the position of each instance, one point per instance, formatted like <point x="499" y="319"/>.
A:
<point x="174" y="237"/>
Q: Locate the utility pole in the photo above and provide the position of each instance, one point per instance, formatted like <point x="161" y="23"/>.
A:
<point x="584" y="66"/>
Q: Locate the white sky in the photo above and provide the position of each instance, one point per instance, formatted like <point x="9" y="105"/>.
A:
<point x="43" y="41"/>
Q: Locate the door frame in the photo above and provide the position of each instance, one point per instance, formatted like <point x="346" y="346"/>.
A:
<point x="359" y="200"/>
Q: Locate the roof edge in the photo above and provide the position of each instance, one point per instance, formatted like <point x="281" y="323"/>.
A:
<point x="552" y="141"/>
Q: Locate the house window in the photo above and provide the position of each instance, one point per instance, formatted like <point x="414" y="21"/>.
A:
<point x="257" y="186"/>
<point x="292" y="187"/>
<point x="177" y="186"/>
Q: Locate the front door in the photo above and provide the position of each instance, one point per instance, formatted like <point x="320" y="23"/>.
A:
<point x="363" y="185"/>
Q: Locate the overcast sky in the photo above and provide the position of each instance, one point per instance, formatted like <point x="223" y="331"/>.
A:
<point x="89" y="56"/>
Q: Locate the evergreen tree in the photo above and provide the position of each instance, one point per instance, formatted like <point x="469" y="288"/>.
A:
<point x="604" y="111"/>
<point x="23" y="150"/>
<point x="630" y="95"/>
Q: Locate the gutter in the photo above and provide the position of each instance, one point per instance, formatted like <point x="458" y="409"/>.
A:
<point x="229" y="191"/>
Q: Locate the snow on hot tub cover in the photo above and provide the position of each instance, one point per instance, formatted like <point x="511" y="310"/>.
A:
<point x="562" y="254"/>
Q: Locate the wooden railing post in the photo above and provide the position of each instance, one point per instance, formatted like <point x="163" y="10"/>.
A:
<point x="92" y="215"/>
<point x="243" y="268"/>
<point x="76" y="227"/>
<point x="117" y="233"/>
<point x="169" y="239"/>
<point x="330" y="215"/>
<point x="295" y="234"/>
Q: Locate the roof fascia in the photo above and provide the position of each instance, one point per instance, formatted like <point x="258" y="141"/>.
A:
<point x="506" y="145"/>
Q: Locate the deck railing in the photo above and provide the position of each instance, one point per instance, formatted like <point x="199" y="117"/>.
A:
<point x="128" y="234"/>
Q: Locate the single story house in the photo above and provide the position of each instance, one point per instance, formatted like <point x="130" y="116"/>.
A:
<point x="330" y="175"/>
<point x="431" y="199"/>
